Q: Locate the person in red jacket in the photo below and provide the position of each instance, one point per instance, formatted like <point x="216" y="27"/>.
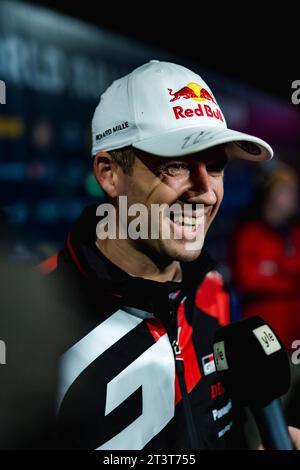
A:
<point x="266" y="257"/>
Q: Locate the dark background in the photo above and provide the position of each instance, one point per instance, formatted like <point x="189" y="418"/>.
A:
<point x="255" y="44"/>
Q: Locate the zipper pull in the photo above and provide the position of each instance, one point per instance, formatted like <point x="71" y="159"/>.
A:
<point x="179" y="362"/>
<point x="176" y="347"/>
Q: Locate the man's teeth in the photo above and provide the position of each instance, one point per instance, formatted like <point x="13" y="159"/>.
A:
<point x="188" y="220"/>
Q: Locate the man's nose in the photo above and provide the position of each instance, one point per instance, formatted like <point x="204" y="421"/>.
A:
<point x="200" y="184"/>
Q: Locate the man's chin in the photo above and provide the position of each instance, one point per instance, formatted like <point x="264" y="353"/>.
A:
<point x="184" y="254"/>
<point x="189" y="256"/>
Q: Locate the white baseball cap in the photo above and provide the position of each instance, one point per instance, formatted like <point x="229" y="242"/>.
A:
<point x="167" y="110"/>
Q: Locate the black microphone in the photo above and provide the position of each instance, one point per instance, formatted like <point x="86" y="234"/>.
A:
<point x="254" y="368"/>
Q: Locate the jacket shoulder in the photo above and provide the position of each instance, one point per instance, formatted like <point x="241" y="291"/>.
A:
<point x="212" y="298"/>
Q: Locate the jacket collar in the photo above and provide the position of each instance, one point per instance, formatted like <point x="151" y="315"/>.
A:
<point x="133" y="291"/>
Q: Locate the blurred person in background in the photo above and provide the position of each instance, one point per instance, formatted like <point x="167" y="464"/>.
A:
<point x="266" y="270"/>
<point x="266" y="256"/>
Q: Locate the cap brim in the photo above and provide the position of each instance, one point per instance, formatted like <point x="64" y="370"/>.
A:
<point x="180" y="142"/>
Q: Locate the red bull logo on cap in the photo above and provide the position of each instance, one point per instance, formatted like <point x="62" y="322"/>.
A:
<point x="192" y="90"/>
<point x="199" y="94"/>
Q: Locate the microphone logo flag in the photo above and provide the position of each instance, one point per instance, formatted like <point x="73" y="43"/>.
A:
<point x="220" y="356"/>
<point x="267" y="339"/>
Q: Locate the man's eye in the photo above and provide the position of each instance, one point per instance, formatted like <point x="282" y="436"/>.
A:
<point x="175" y="169"/>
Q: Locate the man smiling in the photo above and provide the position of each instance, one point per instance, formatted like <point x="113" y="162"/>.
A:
<point x="192" y="186"/>
<point x="137" y="371"/>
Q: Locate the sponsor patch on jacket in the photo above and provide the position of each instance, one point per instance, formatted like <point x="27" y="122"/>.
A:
<point x="208" y="364"/>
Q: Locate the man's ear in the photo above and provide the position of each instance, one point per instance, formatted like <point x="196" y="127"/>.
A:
<point x="105" y="171"/>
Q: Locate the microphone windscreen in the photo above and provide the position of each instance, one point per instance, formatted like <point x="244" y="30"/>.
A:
<point x="251" y="362"/>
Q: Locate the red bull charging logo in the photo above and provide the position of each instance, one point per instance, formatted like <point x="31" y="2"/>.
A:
<point x="192" y="90"/>
<point x="199" y="94"/>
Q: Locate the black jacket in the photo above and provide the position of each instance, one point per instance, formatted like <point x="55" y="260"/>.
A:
<point x="136" y="369"/>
